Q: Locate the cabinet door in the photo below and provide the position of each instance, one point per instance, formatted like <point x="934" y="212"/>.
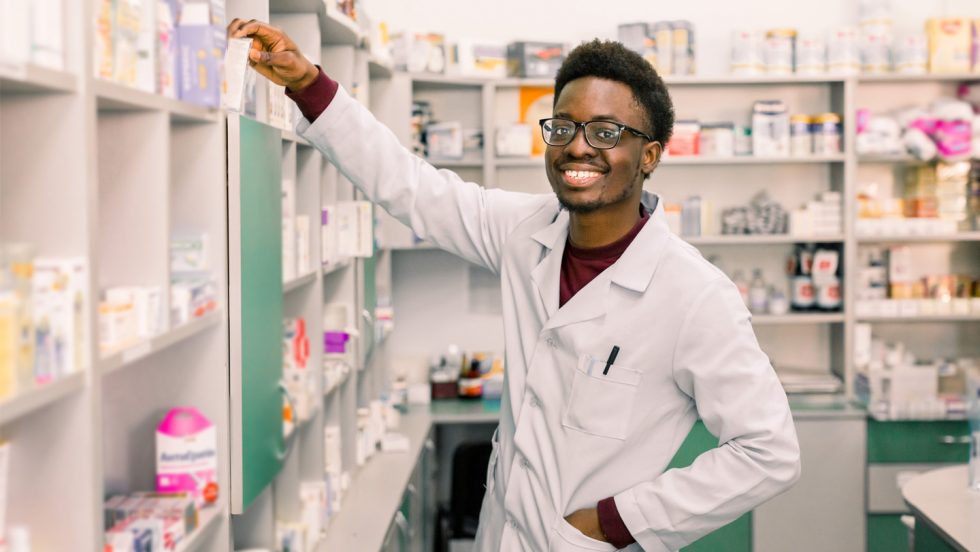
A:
<point x="825" y="509"/>
<point x="254" y="306"/>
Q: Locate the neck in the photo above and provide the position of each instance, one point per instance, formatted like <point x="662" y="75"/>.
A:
<point x="604" y="226"/>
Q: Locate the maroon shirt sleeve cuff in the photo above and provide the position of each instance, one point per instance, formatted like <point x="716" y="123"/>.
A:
<point x="314" y="99"/>
<point x="612" y="525"/>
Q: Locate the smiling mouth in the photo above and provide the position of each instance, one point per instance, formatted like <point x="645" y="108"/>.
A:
<point x="579" y="179"/>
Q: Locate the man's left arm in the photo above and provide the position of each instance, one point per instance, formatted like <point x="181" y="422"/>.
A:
<point x="719" y="364"/>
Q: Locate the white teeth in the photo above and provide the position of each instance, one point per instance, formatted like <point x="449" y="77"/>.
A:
<point x="581" y="175"/>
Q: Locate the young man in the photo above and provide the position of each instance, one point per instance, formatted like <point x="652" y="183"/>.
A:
<point x="618" y="334"/>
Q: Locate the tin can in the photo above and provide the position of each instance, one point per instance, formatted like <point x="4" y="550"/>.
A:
<point x="826" y="134"/>
<point x="780" y="51"/>
<point x="801" y="135"/>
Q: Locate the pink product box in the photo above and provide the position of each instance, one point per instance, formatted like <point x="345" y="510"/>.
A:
<point x="187" y="459"/>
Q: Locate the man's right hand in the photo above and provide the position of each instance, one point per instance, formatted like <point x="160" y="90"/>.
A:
<point x="274" y="55"/>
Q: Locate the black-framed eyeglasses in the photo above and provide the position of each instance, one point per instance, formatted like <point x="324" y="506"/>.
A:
<point x="558" y="131"/>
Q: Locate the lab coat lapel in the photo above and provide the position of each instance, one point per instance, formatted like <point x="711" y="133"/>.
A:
<point x="545" y="275"/>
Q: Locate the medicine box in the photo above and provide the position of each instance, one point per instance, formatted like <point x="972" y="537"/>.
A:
<point x="201" y="44"/>
<point x="471" y="58"/>
<point x="534" y="59"/>
<point x="950" y="44"/>
<point x="187" y="455"/>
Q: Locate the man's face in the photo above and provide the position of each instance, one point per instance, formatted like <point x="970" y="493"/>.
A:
<point x="587" y="179"/>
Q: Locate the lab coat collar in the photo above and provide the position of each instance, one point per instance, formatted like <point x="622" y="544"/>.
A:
<point x="633" y="271"/>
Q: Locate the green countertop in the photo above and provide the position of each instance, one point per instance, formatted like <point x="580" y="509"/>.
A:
<point x="476" y="411"/>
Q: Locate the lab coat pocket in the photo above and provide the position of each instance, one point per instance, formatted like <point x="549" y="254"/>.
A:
<point x="566" y="538"/>
<point x="492" y="464"/>
<point x="601" y="404"/>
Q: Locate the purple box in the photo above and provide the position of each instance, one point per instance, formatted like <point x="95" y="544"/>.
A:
<point x="201" y="42"/>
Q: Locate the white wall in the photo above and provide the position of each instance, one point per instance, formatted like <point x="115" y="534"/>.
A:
<point x="577" y="20"/>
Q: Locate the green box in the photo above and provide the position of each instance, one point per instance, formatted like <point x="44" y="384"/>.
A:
<point x="909" y="442"/>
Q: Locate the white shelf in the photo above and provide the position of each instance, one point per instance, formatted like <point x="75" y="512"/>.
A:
<point x="299" y="282"/>
<point x="336" y="267"/>
<point x="336" y="28"/>
<point x="34" y="79"/>
<point x="761" y="239"/>
<point x="378" y="69"/>
<point x="448" y="80"/>
<point x="115" y="360"/>
<point x="455" y="163"/>
<point x="932" y="238"/>
<point x="519" y="161"/>
<point x="116" y="97"/>
<point x="750" y="160"/>
<point x="698" y="80"/>
<point x="798" y="318"/>
<point x="884" y="159"/>
<point x="35" y="399"/>
<point x="290" y="136"/>
<point x="922" y="318"/>
<point x="928" y="77"/>
<point x="208" y="518"/>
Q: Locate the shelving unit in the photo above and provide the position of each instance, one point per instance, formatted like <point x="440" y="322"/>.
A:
<point x="40" y="397"/>
<point x="115" y="360"/>
<point x="32" y="79"/>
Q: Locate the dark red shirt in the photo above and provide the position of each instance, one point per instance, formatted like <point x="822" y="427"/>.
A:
<point x="578" y="267"/>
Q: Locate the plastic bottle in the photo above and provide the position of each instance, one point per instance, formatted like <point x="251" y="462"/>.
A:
<point x="758" y="293"/>
<point x="743" y="286"/>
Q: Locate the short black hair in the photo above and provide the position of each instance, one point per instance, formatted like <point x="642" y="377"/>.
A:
<point x="611" y="60"/>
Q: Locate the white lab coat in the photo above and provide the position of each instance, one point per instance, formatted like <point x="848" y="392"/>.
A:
<point x="568" y="436"/>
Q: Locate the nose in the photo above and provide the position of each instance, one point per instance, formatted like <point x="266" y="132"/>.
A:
<point x="579" y="147"/>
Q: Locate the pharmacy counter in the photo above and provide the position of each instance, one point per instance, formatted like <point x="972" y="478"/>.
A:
<point x="946" y="510"/>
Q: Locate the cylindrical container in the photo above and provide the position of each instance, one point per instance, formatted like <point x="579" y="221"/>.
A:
<point x="875" y="48"/>
<point x="743" y="140"/>
<point x="829" y="295"/>
<point x="770" y="129"/>
<point x="842" y="52"/>
<point x="912" y="55"/>
<point x="800" y="135"/>
<point x="811" y="56"/>
<point x="826" y="134"/>
<point x="780" y="51"/>
<point x="717" y="140"/>
<point x="748" y="53"/>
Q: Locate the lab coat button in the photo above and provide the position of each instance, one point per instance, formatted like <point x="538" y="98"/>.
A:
<point x="552" y="343"/>
<point x="525" y="464"/>
<point x="535" y="402"/>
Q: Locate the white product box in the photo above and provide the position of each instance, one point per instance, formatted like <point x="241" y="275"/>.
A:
<point x="15" y="36"/>
<point x="514" y="140"/>
<point x="47" y="34"/>
<point x="147" y="305"/>
<point x="277" y="106"/>
<point x="288" y="249"/>
<point x="365" y="228"/>
<point x="117" y="325"/>
<point x="236" y="70"/>
<point x="303" y="262"/>
<point x="59" y="305"/>
<point x="346" y="229"/>
<point x="166" y="49"/>
<point x="314" y="507"/>
<point x="478" y="59"/>
<point x="328" y="235"/>
<point x="445" y="140"/>
<point x="146" y="48"/>
<point x="189" y="254"/>
<point x="331" y="449"/>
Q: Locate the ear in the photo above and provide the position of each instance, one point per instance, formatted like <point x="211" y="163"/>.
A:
<point x="650" y="157"/>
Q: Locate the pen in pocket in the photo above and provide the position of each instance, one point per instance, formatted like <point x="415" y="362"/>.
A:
<point x="611" y="359"/>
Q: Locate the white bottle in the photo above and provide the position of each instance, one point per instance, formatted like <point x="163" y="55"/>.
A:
<point x="758" y="293"/>
<point x="743" y="287"/>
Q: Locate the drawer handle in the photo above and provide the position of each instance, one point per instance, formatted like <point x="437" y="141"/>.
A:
<point x="954" y="440"/>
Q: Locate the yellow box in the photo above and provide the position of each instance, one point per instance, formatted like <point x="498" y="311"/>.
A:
<point x="950" y="44"/>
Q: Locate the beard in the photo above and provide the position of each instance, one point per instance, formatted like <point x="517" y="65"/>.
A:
<point x="585" y="207"/>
